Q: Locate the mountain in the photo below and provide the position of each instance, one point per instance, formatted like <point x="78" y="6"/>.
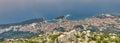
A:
<point x="12" y="30"/>
<point x="105" y="23"/>
<point x="37" y="20"/>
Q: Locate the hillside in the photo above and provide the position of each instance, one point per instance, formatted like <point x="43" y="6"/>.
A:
<point x="72" y="36"/>
<point x="105" y="23"/>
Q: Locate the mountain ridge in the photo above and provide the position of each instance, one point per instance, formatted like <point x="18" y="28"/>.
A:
<point x="24" y="22"/>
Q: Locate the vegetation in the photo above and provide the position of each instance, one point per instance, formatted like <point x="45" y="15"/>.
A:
<point x="79" y="26"/>
<point x="73" y="36"/>
<point x="17" y="34"/>
<point x="61" y="29"/>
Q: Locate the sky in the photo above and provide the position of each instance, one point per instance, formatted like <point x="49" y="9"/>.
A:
<point x="13" y="11"/>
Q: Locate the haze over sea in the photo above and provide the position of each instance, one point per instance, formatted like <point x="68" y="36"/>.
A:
<point x="13" y="11"/>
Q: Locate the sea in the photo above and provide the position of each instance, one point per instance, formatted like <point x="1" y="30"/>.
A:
<point x="14" y="12"/>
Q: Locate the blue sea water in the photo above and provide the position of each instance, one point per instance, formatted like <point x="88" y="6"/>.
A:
<point x="18" y="11"/>
<point x="73" y="17"/>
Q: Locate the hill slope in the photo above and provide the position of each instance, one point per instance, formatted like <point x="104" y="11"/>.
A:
<point x="73" y="36"/>
<point x="107" y="23"/>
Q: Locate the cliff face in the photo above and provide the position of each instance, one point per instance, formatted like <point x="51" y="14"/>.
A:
<point x="106" y="23"/>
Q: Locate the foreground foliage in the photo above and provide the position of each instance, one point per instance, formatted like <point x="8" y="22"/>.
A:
<point x="72" y="36"/>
